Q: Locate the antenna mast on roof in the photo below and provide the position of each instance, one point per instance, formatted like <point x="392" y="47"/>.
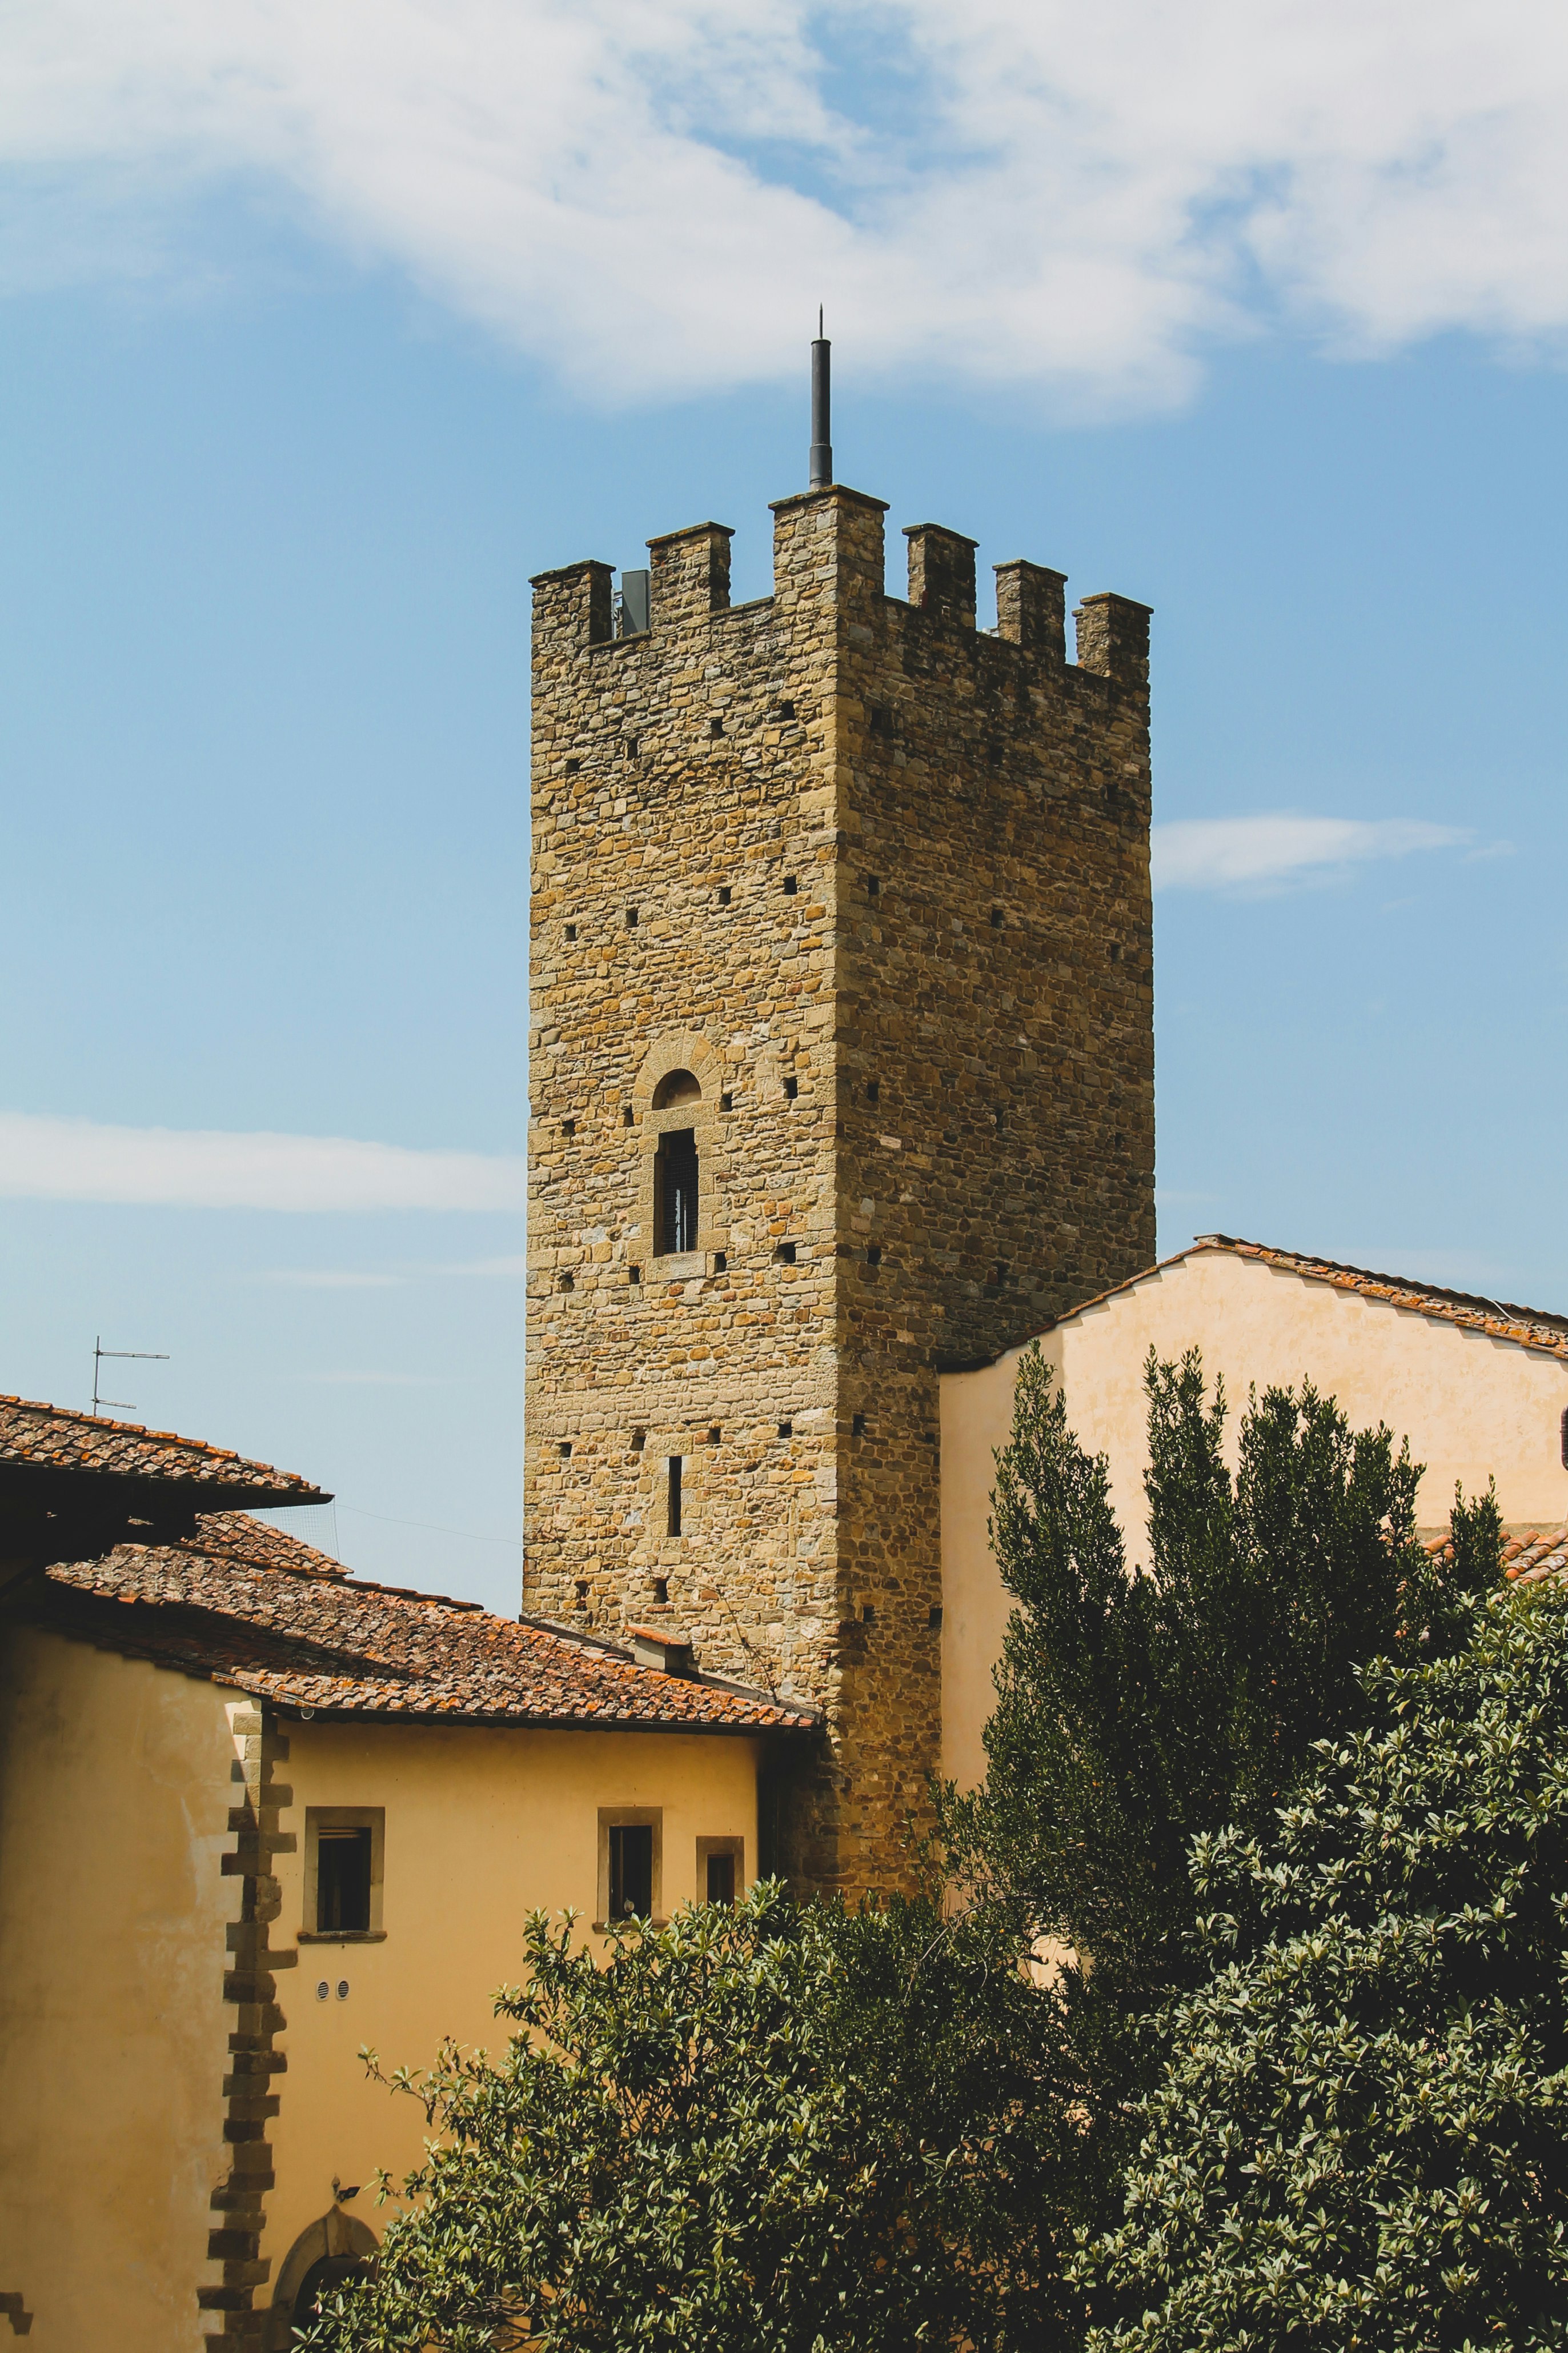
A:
<point x="143" y="1356"/>
<point x="821" y="408"/>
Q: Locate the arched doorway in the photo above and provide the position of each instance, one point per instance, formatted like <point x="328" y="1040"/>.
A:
<point x="332" y="2250"/>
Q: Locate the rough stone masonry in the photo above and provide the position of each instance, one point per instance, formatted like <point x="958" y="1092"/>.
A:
<point x="849" y="901"/>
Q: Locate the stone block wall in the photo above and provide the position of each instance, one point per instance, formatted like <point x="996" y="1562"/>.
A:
<point x="878" y="882"/>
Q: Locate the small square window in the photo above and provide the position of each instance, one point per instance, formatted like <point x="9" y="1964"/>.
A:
<point x="662" y="1592"/>
<point x="787" y="710"/>
<point x="343" y="1847"/>
<point x="873" y="1253"/>
<point x="873" y="1091"/>
<point x="933" y="1617"/>
<point x="639" y="1439"/>
<point x="630" y="744"/>
<point x="343" y="1882"/>
<point x="572" y="767"/>
<point x="566" y="1449"/>
<point x="631" y="1870"/>
<point x="721" y="1262"/>
<point x="873" y="886"/>
<point x="631" y="1862"/>
<point x="790" y="886"/>
<point x="997" y="919"/>
<point x="715" y="727"/>
<point x="570" y="931"/>
<point x="792" y="1088"/>
<point x="626" y="1115"/>
<point x="568" y="1127"/>
<point x="786" y="1429"/>
<point x="713" y="1434"/>
<point x="631" y="919"/>
<point x="784" y="1254"/>
<point x="634" y="1274"/>
<point x="723" y="894"/>
<point x="721" y="1870"/>
<point x="726" y="1103"/>
<point x="580" y="1590"/>
<point x="857" y="1426"/>
<point x="867" y="1613"/>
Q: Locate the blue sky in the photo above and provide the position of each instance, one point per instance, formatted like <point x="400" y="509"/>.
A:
<point x="281" y="441"/>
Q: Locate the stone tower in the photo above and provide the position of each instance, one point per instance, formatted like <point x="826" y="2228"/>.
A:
<point x="842" y="1070"/>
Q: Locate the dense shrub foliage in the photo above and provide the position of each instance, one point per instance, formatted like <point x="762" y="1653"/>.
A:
<point x="1360" y="2138"/>
<point x="796" y="2129"/>
<point x="777" y="2126"/>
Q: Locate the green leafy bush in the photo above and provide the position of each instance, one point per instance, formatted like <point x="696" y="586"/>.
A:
<point x="1360" y="2138"/>
<point x="764" y="2126"/>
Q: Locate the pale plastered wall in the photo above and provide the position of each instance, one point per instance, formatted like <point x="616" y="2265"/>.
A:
<point x="481" y="1826"/>
<point x="1472" y="1407"/>
<point x="114" y="1795"/>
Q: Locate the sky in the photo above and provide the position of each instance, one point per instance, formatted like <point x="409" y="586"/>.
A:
<point x="321" y="328"/>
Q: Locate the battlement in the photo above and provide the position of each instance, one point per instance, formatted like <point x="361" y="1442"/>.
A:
<point x="829" y="556"/>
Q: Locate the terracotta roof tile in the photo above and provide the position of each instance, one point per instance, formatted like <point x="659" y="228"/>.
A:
<point x="246" y="1605"/>
<point x="52" y="1438"/>
<point x="1531" y="1327"/>
<point x="1528" y="1328"/>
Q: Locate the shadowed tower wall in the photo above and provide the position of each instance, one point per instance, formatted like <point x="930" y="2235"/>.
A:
<point x="855" y="897"/>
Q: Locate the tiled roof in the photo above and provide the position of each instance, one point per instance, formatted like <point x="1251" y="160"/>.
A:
<point x="246" y="1605"/>
<point x="1531" y="1327"/>
<point x="1532" y="1559"/>
<point x="1530" y="1556"/>
<point x="52" y="1438"/>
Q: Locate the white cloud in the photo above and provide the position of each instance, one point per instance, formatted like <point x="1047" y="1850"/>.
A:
<point x="78" y="1160"/>
<point x="1252" y="853"/>
<point x="652" y="197"/>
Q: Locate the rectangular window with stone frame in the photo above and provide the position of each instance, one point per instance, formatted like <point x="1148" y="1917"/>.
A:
<point x="344" y="1873"/>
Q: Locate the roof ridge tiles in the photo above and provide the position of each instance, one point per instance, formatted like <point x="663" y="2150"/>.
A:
<point x="1528" y="1327"/>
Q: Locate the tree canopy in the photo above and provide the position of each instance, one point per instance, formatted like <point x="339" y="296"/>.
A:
<point x="769" y="2126"/>
<point x="1360" y="2136"/>
<point x="1142" y="1704"/>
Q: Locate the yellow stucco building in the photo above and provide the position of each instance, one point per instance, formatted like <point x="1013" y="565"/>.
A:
<point x="254" y="1814"/>
<point x="1480" y="1389"/>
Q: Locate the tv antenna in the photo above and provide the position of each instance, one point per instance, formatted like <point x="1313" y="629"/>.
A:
<point x="143" y="1356"/>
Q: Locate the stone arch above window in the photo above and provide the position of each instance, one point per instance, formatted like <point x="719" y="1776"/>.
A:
<point x="677" y="1087"/>
<point x="680" y="1059"/>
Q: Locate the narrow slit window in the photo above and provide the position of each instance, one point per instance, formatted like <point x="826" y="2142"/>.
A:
<point x="675" y="1192"/>
<point x="672" y="1495"/>
<point x="631" y="1870"/>
<point x="721" y="1887"/>
<point x="343" y="1882"/>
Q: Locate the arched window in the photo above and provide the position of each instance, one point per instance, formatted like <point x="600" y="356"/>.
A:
<point x="675" y="1190"/>
<point x="676" y="1087"/>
